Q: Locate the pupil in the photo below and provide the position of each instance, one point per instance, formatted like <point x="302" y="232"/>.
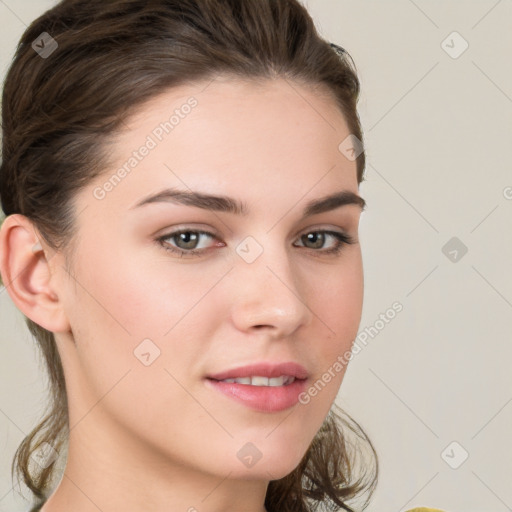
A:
<point x="318" y="237"/>
<point x="188" y="235"/>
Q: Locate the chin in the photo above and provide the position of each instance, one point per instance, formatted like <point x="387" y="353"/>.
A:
<point x="263" y="472"/>
<point x="272" y="466"/>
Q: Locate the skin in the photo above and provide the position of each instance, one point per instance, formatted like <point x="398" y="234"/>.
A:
<point x="156" y="437"/>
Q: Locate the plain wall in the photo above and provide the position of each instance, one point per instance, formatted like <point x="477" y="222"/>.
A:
<point x="438" y="133"/>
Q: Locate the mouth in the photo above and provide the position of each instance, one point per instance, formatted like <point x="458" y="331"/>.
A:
<point x="263" y="374"/>
<point x="259" y="393"/>
<point x="259" y="380"/>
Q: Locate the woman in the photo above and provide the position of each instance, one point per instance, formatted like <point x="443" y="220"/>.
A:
<point x="180" y="180"/>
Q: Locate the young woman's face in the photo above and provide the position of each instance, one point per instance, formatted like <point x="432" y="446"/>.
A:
<point x="151" y="321"/>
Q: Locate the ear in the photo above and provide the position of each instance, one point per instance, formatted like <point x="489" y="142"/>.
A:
<point x="27" y="275"/>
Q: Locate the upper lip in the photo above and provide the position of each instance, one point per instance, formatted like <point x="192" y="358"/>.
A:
<point x="269" y="370"/>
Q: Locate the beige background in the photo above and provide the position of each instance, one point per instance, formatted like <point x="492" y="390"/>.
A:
<point x="439" y="136"/>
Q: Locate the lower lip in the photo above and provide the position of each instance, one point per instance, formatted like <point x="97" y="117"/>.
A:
<point x="262" y="398"/>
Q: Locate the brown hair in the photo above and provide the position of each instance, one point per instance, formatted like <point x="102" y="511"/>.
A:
<point x="59" y="111"/>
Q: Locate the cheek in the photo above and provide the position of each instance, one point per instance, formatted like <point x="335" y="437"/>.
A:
<point x="143" y="297"/>
<point x="336" y="298"/>
<point x="125" y="318"/>
<point x="339" y="302"/>
<point x="126" y="313"/>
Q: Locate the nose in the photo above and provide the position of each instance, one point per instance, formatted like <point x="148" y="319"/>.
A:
<point x="270" y="296"/>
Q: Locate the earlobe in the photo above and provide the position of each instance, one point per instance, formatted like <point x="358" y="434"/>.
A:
<point x="27" y="276"/>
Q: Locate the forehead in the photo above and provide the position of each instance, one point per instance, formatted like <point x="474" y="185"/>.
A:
<point x="254" y="140"/>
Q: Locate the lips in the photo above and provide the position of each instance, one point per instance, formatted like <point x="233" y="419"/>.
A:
<point x="266" y="399"/>
<point x="270" y="370"/>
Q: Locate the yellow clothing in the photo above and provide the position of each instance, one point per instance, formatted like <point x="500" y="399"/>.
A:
<point x="424" y="509"/>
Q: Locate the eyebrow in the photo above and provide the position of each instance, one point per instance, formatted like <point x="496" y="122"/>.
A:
<point x="230" y="205"/>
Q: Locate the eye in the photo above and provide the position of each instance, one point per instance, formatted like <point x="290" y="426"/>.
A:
<point x="186" y="241"/>
<point x="318" y="238"/>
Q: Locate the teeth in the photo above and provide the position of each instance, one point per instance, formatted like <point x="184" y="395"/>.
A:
<point x="263" y="381"/>
<point x="243" y="380"/>
<point x="259" y="381"/>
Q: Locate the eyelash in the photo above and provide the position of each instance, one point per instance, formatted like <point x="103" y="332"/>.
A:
<point x="342" y="238"/>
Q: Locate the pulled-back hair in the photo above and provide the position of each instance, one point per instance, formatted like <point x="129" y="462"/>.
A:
<point x="59" y="111"/>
